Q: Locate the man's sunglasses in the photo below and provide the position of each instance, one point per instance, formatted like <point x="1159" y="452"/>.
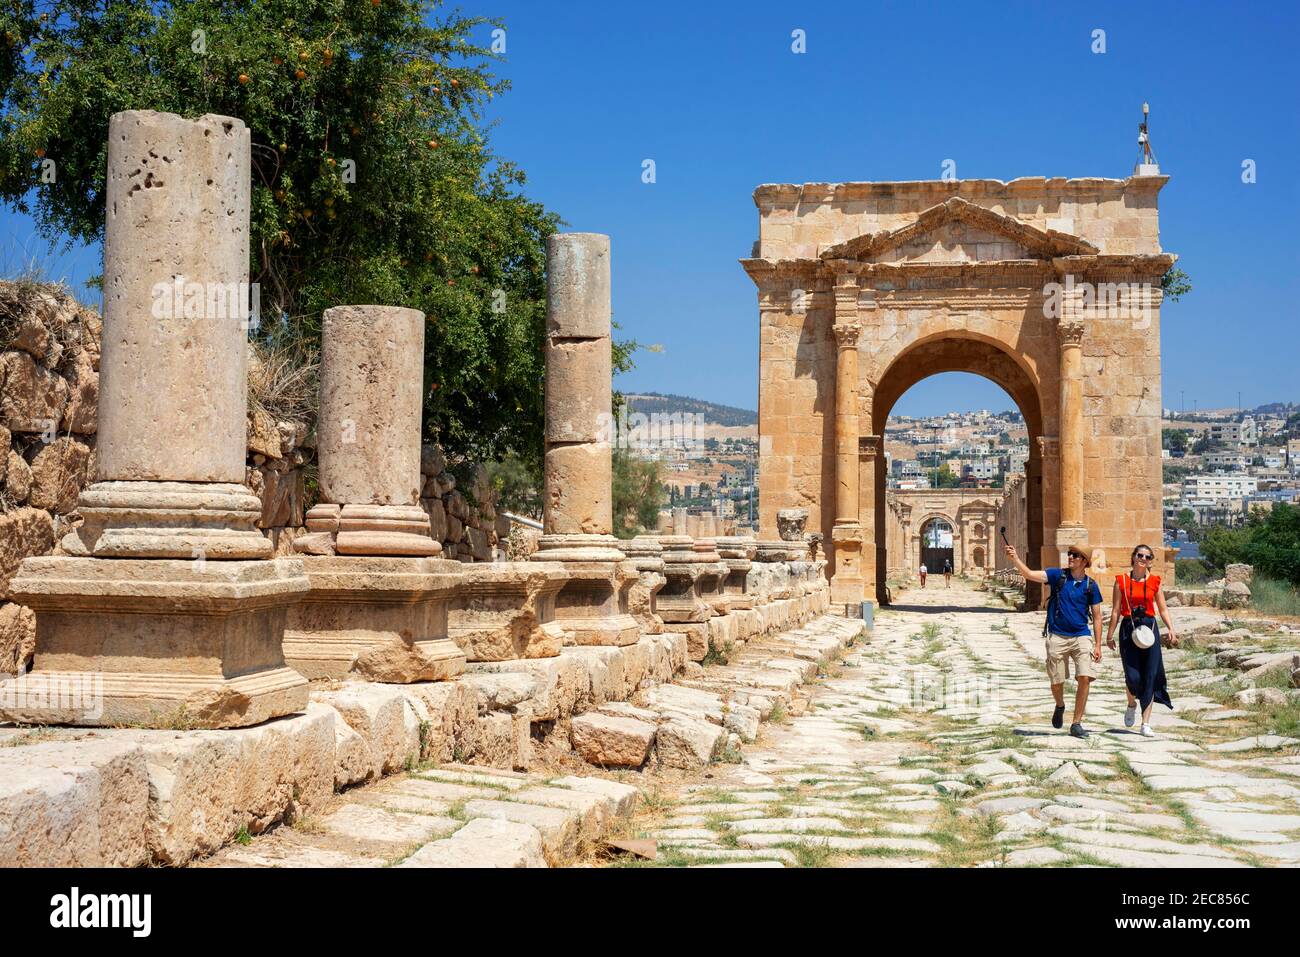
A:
<point x="1075" y="555"/>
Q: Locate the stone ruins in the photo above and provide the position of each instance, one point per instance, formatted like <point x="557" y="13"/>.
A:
<point x="208" y="688"/>
<point x="233" y="683"/>
<point x="1048" y="287"/>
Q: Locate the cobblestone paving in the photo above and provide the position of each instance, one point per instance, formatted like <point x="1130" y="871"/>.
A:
<point x="930" y="744"/>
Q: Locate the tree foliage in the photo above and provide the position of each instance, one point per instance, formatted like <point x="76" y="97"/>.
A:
<point x="638" y="494"/>
<point x="1270" y="541"/>
<point x="1175" y="283"/>
<point x="390" y="89"/>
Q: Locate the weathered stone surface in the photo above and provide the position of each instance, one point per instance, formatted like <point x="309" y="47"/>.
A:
<point x="23" y="532"/>
<point x="81" y="414"/>
<point x="685" y="743"/>
<point x="32" y="398"/>
<point x="18" y="477"/>
<point x="59" y="471"/>
<point x="17" y="637"/>
<point x="483" y="842"/>
<point x="559" y="827"/>
<point x="383" y="718"/>
<point x="74" y="804"/>
<point x="204" y="786"/>
<point x="194" y="175"/>
<point x="612" y="741"/>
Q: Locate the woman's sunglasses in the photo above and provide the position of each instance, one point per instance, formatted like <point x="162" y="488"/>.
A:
<point x="1144" y="557"/>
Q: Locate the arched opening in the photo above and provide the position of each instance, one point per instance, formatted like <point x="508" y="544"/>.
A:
<point x="936" y="544"/>
<point x="971" y="539"/>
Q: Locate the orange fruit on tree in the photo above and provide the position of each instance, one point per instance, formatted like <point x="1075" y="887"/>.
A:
<point x="300" y="73"/>
<point x="243" y="79"/>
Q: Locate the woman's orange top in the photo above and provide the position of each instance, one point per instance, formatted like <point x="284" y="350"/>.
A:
<point x="1134" y="593"/>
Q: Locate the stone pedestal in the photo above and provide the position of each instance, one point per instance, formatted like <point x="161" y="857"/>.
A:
<point x="377" y="618"/>
<point x="737" y="554"/>
<point x="647" y="556"/>
<point x="680" y="600"/>
<point x="712" y="571"/>
<point x="503" y="611"/>
<point x="378" y="603"/>
<point x="169" y="606"/>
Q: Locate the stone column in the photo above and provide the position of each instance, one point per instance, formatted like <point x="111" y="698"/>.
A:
<point x="1071" y="522"/>
<point x="874" y="546"/>
<point x="378" y="602"/>
<point x="847" y="582"/>
<point x="578" y="503"/>
<point x="169" y="611"/>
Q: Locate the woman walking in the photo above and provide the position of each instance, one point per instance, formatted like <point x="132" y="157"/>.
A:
<point x="1137" y="596"/>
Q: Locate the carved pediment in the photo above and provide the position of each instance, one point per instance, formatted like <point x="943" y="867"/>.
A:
<point x="960" y="231"/>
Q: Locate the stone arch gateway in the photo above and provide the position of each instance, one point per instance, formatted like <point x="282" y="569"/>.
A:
<point x="1048" y="287"/>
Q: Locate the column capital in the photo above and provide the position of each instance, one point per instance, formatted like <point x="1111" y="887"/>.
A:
<point x="868" y="446"/>
<point x="1071" y="333"/>
<point x="846" y="333"/>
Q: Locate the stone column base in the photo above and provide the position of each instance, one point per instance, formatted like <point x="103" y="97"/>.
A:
<point x="185" y="520"/>
<point x="381" y="530"/>
<point x="504" y="611"/>
<point x="378" y="618"/>
<point x="592" y="607"/>
<point x="157" y="643"/>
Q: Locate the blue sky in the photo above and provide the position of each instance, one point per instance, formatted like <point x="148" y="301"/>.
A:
<point x="713" y="94"/>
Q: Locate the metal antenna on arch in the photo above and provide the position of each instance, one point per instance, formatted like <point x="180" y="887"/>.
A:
<point x="1146" y="164"/>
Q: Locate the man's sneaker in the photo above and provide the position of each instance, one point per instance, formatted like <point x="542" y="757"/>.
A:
<point x="1147" y="732"/>
<point x="1130" y="715"/>
<point x="1058" y="716"/>
<point x="1076" y="729"/>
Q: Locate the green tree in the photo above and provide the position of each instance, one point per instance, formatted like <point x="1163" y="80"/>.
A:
<point x="373" y="180"/>
<point x="638" y="494"/>
<point x="944" y="477"/>
<point x="1269" y="540"/>
<point x="1175" y="439"/>
<point x="1175" y="284"/>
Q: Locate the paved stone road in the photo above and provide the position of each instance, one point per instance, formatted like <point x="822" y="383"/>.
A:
<point x="930" y="744"/>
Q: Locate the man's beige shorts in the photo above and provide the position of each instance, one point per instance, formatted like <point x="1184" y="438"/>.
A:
<point x="1062" y="650"/>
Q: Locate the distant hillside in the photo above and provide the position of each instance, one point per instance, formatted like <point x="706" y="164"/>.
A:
<point x="714" y="414"/>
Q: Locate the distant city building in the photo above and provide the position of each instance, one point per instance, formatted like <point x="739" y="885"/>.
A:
<point x="1244" y="432"/>
<point x="1210" y="488"/>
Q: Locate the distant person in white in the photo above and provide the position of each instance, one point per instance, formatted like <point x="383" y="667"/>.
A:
<point x="924" y="571"/>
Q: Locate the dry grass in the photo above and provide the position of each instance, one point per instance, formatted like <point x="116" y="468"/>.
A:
<point x="282" y="381"/>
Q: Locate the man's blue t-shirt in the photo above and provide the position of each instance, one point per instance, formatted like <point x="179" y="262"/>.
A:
<point x="1069" y="616"/>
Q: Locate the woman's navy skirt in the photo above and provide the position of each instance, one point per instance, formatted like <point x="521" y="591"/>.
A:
<point x="1144" y="668"/>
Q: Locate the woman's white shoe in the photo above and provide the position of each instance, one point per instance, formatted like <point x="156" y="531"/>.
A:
<point x="1147" y="732"/>
<point x="1130" y="715"/>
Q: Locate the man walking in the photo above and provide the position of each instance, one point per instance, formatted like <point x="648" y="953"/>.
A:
<point x="924" y="571"/>
<point x="1075" y="599"/>
<point x="947" y="572"/>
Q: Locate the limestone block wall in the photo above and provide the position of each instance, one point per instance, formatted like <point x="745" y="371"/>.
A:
<point x="49" y="391"/>
<point x="1013" y="513"/>
<point x="470" y="529"/>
